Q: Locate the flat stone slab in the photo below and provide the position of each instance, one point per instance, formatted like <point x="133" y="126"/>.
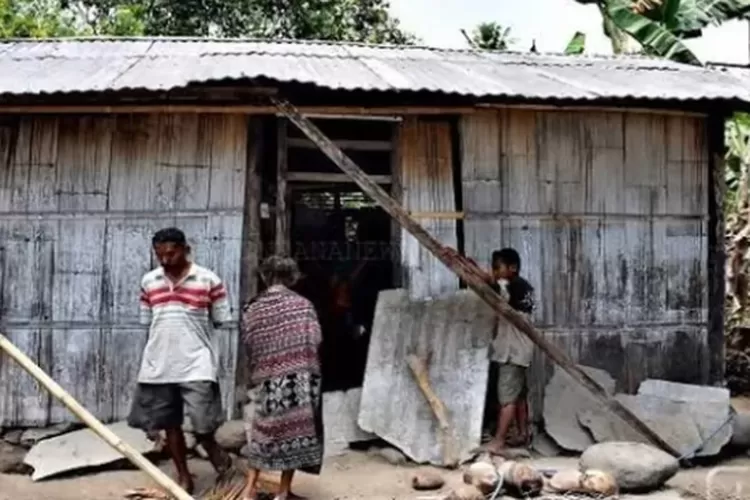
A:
<point x="564" y="399"/>
<point x="671" y="420"/>
<point x="80" y="450"/>
<point x="340" y="413"/>
<point x="708" y="406"/>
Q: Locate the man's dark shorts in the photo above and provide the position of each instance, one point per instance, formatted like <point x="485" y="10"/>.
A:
<point x="164" y="406"/>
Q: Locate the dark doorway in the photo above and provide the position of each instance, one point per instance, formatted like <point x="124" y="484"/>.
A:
<point x="342" y="242"/>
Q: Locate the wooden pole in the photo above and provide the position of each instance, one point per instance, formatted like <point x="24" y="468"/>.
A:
<point x="419" y="370"/>
<point x="95" y="425"/>
<point x="468" y="274"/>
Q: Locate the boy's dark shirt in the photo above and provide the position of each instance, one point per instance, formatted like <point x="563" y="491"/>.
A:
<point x="521" y="294"/>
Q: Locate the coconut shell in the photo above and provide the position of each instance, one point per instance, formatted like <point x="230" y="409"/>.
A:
<point x="465" y="492"/>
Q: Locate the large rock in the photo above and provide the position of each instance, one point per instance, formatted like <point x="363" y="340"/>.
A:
<point x="232" y="435"/>
<point x="11" y="458"/>
<point x="563" y="399"/>
<point x="741" y="430"/>
<point x="671" y="420"/>
<point x="82" y="449"/>
<point x="708" y="406"/>
<point x="634" y="466"/>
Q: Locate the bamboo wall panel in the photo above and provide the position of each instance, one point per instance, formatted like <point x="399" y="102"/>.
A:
<point x="80" y="198"/>
<point x="609" y="214"/>
<point x="426" y="177"/>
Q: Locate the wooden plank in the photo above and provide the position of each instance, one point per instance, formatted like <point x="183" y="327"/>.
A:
<point x="229" y="149"/>
<point x="316" y="111"/>
<point x="22" y="400"/>
<point x="325" y="178"/>
<point x="427" y="186"/>
<point x="252" y="242"/>
<point x="282" y="241"/>
<point x="397" y="193"/>
<point x="83" y="162"/>
<point x="345" y="144"/>
<point x="135" y="182"/>
<point x="466" y="272"/>
<point x="76" y="361"/>
<point x="78" y="271"/>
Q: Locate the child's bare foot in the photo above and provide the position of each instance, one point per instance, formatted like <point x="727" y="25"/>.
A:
<point x="494" y="447"/>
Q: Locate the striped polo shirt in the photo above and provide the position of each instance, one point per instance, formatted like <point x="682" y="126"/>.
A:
<point x="181" y="316"/>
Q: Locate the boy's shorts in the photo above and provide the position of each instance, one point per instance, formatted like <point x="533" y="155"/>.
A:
<point x="511" y="383"/>
<point x="158" y="407"/>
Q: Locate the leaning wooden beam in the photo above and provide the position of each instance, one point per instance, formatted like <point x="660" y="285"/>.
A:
<point x="469" y="274"/>
<point x="79" y="411"/>
<point x="419" y="370"/>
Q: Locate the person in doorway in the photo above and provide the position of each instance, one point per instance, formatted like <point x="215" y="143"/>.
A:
<point x="282" y="335"/>
<point x="180" y="302"/>
<point x="512" y="351"/>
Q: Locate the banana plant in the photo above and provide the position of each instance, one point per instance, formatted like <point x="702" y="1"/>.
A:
<point x="660" y="26"/>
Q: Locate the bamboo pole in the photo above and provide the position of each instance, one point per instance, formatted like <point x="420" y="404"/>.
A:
<point x="91" y="421"/>
<point x="468" y="273"/>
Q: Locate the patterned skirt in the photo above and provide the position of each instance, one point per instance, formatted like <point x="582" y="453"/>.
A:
<point x="286" y="427"/>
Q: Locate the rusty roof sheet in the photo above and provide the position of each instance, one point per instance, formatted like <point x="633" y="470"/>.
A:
<point x="92" y="65"/>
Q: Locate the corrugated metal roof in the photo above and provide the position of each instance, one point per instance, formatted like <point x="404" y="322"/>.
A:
<point x="116" y="64"/>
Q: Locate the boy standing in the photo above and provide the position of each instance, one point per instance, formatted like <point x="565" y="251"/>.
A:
<point x="511" y="350"/>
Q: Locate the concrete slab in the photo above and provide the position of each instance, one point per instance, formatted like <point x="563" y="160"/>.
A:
<point x="563" y="400"/>
<point x="708" y="406"/>
<point x="340" y="412"/>
<point x="80" y="450"/>
<point x="671" y="420"/>
<point x="453" y="334"/>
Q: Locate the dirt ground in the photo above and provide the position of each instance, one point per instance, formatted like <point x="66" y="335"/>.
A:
<point x="353" y="476"/>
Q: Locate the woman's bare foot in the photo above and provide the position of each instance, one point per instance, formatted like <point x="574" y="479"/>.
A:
<point x="250" y="493"/>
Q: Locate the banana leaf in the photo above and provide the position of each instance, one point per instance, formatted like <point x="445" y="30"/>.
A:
<point x="654" y="37"/>
<point x="577" y="44"/>
<point x="694" y="15"/>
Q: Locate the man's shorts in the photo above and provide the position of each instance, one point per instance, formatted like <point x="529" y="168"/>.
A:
<point x="511" y="383"/>
<point x="158" y="407"/>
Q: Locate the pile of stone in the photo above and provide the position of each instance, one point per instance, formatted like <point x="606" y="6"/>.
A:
<point x="688" y="417"/>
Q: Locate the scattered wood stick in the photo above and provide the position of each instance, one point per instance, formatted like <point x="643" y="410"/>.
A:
<point x="419" y="370"/>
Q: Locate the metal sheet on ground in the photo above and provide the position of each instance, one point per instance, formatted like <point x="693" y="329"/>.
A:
<point x="453" y="334"/>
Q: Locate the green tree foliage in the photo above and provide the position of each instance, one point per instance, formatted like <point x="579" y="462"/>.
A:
<point x="340" y="20"/>
<point x="492" y="36"/>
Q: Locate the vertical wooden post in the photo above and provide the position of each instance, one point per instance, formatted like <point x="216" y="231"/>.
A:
<point x="470" y="274"/>
<point x="397" y="194"/>
<point x="252" y="242"/>
<point x="716" y="249"/>
<point x="282" y="216"/>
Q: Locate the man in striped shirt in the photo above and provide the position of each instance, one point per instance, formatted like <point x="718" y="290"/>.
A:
<point x="181" y="302"/>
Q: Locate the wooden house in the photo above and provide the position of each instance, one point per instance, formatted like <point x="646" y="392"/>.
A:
<point x="604" y="173"/>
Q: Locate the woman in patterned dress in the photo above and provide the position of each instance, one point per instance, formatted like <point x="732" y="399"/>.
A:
<point x="282" y="335"/>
